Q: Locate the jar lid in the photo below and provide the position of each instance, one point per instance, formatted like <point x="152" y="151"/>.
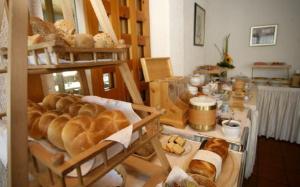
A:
<point x="203" y="101"/>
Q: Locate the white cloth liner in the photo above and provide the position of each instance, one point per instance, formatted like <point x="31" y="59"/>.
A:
<point x="279" y="109"/>
<point x="212" y="158"/>
<point x="177" y="175"/>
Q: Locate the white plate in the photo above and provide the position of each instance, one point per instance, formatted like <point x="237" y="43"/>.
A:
<point x="187" y="146"/>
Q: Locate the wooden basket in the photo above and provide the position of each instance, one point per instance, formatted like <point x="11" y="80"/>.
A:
<point x="56" y="173"/>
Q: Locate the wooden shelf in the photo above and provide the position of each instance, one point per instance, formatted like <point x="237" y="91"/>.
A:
<point x="3" y="71"/>
<point x="2" y="115"/>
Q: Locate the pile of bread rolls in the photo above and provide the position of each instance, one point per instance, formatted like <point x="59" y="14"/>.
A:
<point x="64" y="30"/>
<point x="198" y="166"/>
<point x="70" y="124"/>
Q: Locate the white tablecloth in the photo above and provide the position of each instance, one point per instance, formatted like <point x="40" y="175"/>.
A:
<point x="279" y="109"/>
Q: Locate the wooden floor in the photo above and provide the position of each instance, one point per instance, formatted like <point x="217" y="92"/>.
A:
<point x="277" y="165"/>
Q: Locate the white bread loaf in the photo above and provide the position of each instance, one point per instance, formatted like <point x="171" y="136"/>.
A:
<point x="217" y="149"/>
<point x="55" y="129"/>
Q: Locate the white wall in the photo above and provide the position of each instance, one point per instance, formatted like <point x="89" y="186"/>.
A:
<point x="237" y="16"/>
<point x="159" y="28"/>
<point x="171" y="27"/>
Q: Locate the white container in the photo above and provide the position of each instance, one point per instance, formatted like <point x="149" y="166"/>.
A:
<point x="192" y="89"/>
<point x="197" y="80"/>
<point x="231" y="130"/>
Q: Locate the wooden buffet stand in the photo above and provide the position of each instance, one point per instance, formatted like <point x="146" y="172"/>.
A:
<point x="17" y="70"/>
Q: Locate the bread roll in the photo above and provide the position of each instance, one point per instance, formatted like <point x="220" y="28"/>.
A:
<point x="203" y="168"/>
<point x="75" y="107"/>
<point x="84" y="41"/>
<point x="34" y="106"/>
<point x="80" y="134"/>
<point x="34" y="39"/>
<point x="63" y="103"/>
<point x="49" y="102"/>
<point x="91" y="109"/>
<point x="103" y="40"/>
<point x="111" y="121"/>
<point x="65" y="26"/>
<point x="45" y="121"/>
<point x="41" y="27"/>
<point x="33" y="118"/>
<point x="55" y="129"/>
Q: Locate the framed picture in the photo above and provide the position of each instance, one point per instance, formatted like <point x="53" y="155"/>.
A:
<point x="263" y="35"/>
<point x="199" y="25"/>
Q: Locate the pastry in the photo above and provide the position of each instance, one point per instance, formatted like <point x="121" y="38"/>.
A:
<point x="91" y="109"/>
<point x="175" y="145"/>
<point x="79" y="134"/>
<point x="55" y="129"/>
<point x="84" y="41"/>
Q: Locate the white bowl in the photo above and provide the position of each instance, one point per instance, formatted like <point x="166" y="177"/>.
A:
<point x="231" y="131"/>
<point x="192" y="89"/>
<point x="197" y="80"/>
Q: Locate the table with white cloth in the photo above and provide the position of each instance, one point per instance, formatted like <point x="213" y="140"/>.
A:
<point x="279" y="109"/>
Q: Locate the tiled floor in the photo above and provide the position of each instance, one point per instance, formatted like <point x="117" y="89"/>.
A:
<point x="277" y="165"/>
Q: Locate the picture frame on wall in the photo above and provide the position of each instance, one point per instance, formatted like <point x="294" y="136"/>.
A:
<point x="199" y="25"/>
<point x="265" y="35"/>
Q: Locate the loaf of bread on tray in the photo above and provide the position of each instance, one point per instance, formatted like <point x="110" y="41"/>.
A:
<point x="215" y="150"/>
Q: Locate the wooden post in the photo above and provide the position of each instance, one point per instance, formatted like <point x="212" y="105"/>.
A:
<point x="67" y="10"/>
<point x="17" y="94"/>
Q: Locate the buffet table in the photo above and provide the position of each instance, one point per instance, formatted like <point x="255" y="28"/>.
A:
<point x="279" y="113"/>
